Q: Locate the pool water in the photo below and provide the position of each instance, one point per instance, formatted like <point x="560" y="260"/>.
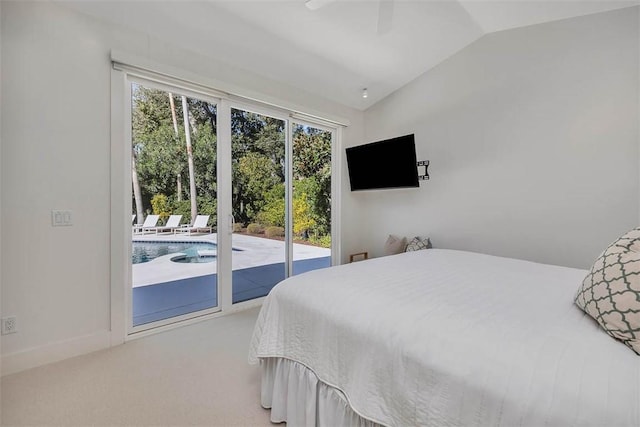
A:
<point x="194" y="259"/>
<point x="147" y="251"/>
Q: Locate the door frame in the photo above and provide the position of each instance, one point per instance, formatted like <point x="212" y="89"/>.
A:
<point x="120" y="235"/>
<point x="180" y="91"/>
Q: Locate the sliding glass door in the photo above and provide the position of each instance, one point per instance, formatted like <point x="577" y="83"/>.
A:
<point x="311" y="201"/>
<point x="225" y="201"/>
<point x="174" y="203"/>
<point x="258" y="145"/>
<point x="281" y="201"/>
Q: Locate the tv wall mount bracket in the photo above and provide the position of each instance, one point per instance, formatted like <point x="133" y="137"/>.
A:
<point x="425" y="175"/>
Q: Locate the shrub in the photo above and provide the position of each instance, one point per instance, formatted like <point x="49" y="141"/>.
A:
<point x="272" y="213"/>
<point x="206" y="206"/>
<point x="254" y="228"/>
<point x="182" y="207"/>
<point x="274" y="231"/>
<point x="160" y="206"/>
<point x="237" y="227"/>
<point x="323" y="241"/>
<point x="302" y="219"/>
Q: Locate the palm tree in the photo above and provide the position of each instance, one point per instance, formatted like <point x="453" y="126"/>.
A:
<point x="137" y="194"/>
<point x="192" y="180"/>
<point x="175" y="129"/>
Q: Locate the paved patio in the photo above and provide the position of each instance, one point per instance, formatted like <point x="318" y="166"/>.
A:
<point x="163" y="288"/>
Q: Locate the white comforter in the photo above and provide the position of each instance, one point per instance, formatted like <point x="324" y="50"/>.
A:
<point x="441" y="337"/>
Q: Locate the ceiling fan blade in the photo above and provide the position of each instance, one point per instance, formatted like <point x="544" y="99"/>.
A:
<point x="317" y="4"/>
<point x="385" y="16"/>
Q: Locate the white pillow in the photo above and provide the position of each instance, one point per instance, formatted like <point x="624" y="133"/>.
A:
<point x="394" y="245"/>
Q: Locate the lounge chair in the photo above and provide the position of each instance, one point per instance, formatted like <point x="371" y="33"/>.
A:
<point x="150" y="223"/>
<point x="172" y="223"/>
<point x="199" y="226"/>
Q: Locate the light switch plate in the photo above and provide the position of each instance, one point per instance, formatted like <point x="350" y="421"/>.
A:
<point x="61" y="218"/>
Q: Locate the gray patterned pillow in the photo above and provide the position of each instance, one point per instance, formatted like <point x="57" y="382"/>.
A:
<point x="418" y="243"/>
<point x="611" y="291"/>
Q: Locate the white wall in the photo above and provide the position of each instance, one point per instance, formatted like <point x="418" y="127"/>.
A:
<point x="2" y="313"/>
<point x="56" y="154"/>
<point x="532" y="135"/>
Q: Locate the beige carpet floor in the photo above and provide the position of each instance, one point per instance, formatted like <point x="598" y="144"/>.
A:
<point x="194" y="375"/>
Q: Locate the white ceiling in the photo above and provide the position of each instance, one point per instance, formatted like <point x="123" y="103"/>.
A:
<point x="336" y="50"/>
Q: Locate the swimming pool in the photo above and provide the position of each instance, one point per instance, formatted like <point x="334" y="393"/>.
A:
<point x="145" y="251"/>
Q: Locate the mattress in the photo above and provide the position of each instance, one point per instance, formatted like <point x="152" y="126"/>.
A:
<point x="442" y="337"/>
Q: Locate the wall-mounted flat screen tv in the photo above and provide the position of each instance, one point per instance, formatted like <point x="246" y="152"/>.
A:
<point x="384" y="164"/>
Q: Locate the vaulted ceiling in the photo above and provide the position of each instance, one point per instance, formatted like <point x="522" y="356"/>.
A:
<point x="341" y="47"/>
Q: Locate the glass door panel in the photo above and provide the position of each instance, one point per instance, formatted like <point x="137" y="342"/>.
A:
<point x="174" y="183"/>
<point x="311" y="198"/>
<point x="258" y="204"/>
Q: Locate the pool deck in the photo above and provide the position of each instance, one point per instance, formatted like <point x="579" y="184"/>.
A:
<point x="252" y="252"/>
<point x="163" y="289"/>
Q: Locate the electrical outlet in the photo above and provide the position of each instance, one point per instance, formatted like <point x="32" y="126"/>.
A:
<point x="9" y="325"/>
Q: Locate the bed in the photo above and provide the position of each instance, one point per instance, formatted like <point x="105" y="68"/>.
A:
<point x="440" y="338"/>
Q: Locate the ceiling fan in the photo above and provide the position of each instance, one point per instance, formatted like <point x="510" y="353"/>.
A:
<point x="385" y="12"/>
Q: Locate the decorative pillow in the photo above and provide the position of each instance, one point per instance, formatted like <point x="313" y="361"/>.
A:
<point x="418" y="243"/>
<point x="394" y="245"/>
<point x="611" y="291"/>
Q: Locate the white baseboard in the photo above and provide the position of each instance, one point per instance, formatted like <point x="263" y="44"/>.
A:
<point x="55" y="352"/>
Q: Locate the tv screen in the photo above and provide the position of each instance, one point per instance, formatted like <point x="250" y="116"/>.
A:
<point x="384" y="164"/>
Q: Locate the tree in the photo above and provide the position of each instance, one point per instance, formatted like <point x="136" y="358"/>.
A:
<point x="137" y="194"/>
<point x="312" y="173"/>
<point x="192" y="178"/>
<point x="272" y="212"/>
<point x="175" y="130"/>
<point x="160" y="206"/>
<point x="258" y="175"/>
<point x="157" y="147"/>
<point x="160" y="139"/>
<point x="255" y="139"/>
<point x="302" y="219"/>
<point x="160" y="163"/>
<point x="258" y="162"/>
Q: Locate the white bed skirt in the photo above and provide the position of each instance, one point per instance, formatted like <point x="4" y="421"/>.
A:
<point x="296" y="395"/>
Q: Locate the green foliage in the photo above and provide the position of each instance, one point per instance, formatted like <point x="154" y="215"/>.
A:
<point x="302" y="219"/>
<point x="312" y="174"/>
<point x="273" y="211"/>
<point x="273" y="231"/>
<point x="160" y="206"/>
<point x="311" y="152"/>
<point x="257" y="144"/>
<point x="204" y="159"/>
<point x="182" y="207"/>
<point x="161" y="153"/>
<point x="254" y="228"/>
<point x="257" y="176"/>
<point x="258" y="165"/>
<point x="317" y="194"/>
<point x="208" y="206"/>
<point x="323" y="241"/>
